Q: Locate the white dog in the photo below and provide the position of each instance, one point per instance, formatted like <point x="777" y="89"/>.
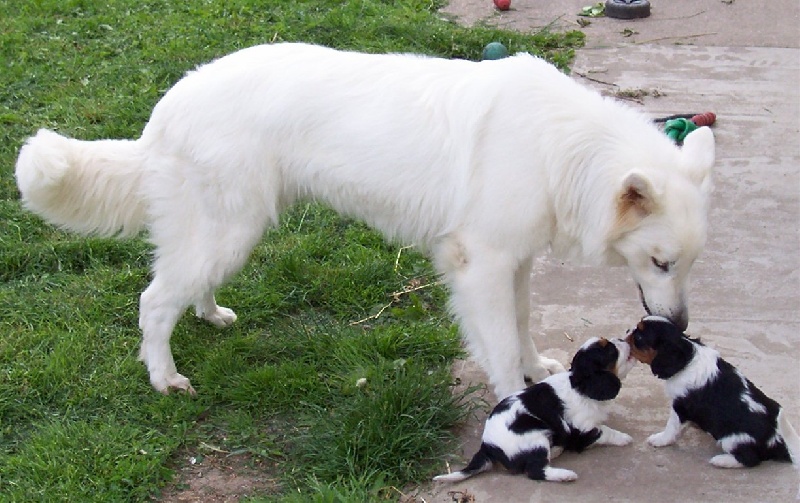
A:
<point x="483" y="164"/>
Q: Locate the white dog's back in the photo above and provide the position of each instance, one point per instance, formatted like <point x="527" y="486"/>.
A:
<point x="390" y="139"/>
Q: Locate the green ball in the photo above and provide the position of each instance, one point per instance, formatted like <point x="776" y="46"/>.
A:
<point x="494" y="50"/>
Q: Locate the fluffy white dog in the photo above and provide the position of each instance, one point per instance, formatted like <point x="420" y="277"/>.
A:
<point x="485" y="165"/>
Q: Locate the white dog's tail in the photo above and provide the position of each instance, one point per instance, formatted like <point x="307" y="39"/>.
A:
<point x="791" y="439"/>
<point x="480" y="463"/>
<point x="90" y="187"/>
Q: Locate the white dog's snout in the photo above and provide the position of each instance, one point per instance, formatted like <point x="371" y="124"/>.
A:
<point x="675" y="310"/>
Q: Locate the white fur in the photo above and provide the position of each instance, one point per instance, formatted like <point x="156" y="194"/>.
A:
<point x="725" y="461"/>
<point x="553" y="474"/>
<point x="700" y="370"/>
<point x="728" y="444"/>
<point x="497" y="432"/>
<point x="459" y="476"/>
<point x="484" y="164"/>
<point x="671" y="432"/>
<point x="747" y="396"/>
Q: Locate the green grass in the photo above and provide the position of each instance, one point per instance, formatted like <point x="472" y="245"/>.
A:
<point x="78" y="419"/>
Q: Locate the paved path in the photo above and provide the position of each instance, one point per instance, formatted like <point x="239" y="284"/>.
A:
<point x="744" y="64"/>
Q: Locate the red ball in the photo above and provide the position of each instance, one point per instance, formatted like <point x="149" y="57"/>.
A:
<point x="705" y="119"/>
<point x="502" y="4"/>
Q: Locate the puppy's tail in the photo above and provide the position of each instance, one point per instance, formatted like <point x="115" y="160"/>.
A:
<point x="792" y="440"/>
<point x="480" y="462"/>
<point x="90" y="187"/>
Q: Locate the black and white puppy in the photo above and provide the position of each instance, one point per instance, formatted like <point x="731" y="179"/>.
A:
<point x="564" y="411"/>
<point x="708" y="391"/>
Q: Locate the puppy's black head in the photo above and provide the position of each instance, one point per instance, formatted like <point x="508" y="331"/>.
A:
<point x="661" y="344"/>
<point x="594" y="367"/>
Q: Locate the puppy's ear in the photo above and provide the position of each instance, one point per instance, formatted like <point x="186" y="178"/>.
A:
<point x="599" y="385"/>
<point x="672" y="355"/>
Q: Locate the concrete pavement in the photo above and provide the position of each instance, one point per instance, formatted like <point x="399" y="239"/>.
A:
<point x="741" y="61"/>
<point x="720" y="23"/>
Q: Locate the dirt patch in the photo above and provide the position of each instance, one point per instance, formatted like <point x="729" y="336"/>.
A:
<point x="219" y="477"/>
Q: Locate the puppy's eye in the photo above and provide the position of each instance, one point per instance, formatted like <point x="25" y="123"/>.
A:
<point x="663" y="266"/>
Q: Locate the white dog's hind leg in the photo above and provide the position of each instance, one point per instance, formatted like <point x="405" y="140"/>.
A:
<point x="158" y="314"/>
<point x="670" y="433"/>
<point x="208" y="310"/>
<point x="196" y="252"/>
<point x="534" y="366"/>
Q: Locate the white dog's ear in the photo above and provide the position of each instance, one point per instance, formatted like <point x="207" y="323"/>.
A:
<point x="637" y="199"/>
<point x="698" y="154"/>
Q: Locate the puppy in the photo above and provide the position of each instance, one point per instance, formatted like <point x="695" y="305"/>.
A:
<point x="564" y="411"/>
<point x="711" y="393"/>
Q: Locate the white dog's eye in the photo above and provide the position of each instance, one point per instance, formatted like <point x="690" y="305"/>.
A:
<point x="664" y="266"/>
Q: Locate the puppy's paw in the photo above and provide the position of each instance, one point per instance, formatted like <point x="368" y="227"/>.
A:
<point x="621" y="439"/>
<point x="610" y="436"/>
<point x="559" y="475"/>
<point x="725" y="461"/>
<point x="660" y="439"/>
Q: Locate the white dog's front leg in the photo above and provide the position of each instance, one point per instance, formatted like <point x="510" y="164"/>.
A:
<point x="481" y="280"/>
<point x="670" y="433"/>
<point x="534" y="366"/>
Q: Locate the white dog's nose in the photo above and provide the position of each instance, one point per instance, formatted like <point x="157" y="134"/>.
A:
<point x="681" y="320"/>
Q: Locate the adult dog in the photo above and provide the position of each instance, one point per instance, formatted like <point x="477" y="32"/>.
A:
<point x="483" y="164"/>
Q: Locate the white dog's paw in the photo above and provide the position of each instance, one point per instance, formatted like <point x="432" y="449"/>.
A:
<point x="221" y="317"/>
<point x="725" y="461"/>
<point x="559" y="474"/>
<point x="552" y="366"/>
<point x="542" y="368"/>
<point x="660" y="439"/>
<point x="175" y="381"/>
